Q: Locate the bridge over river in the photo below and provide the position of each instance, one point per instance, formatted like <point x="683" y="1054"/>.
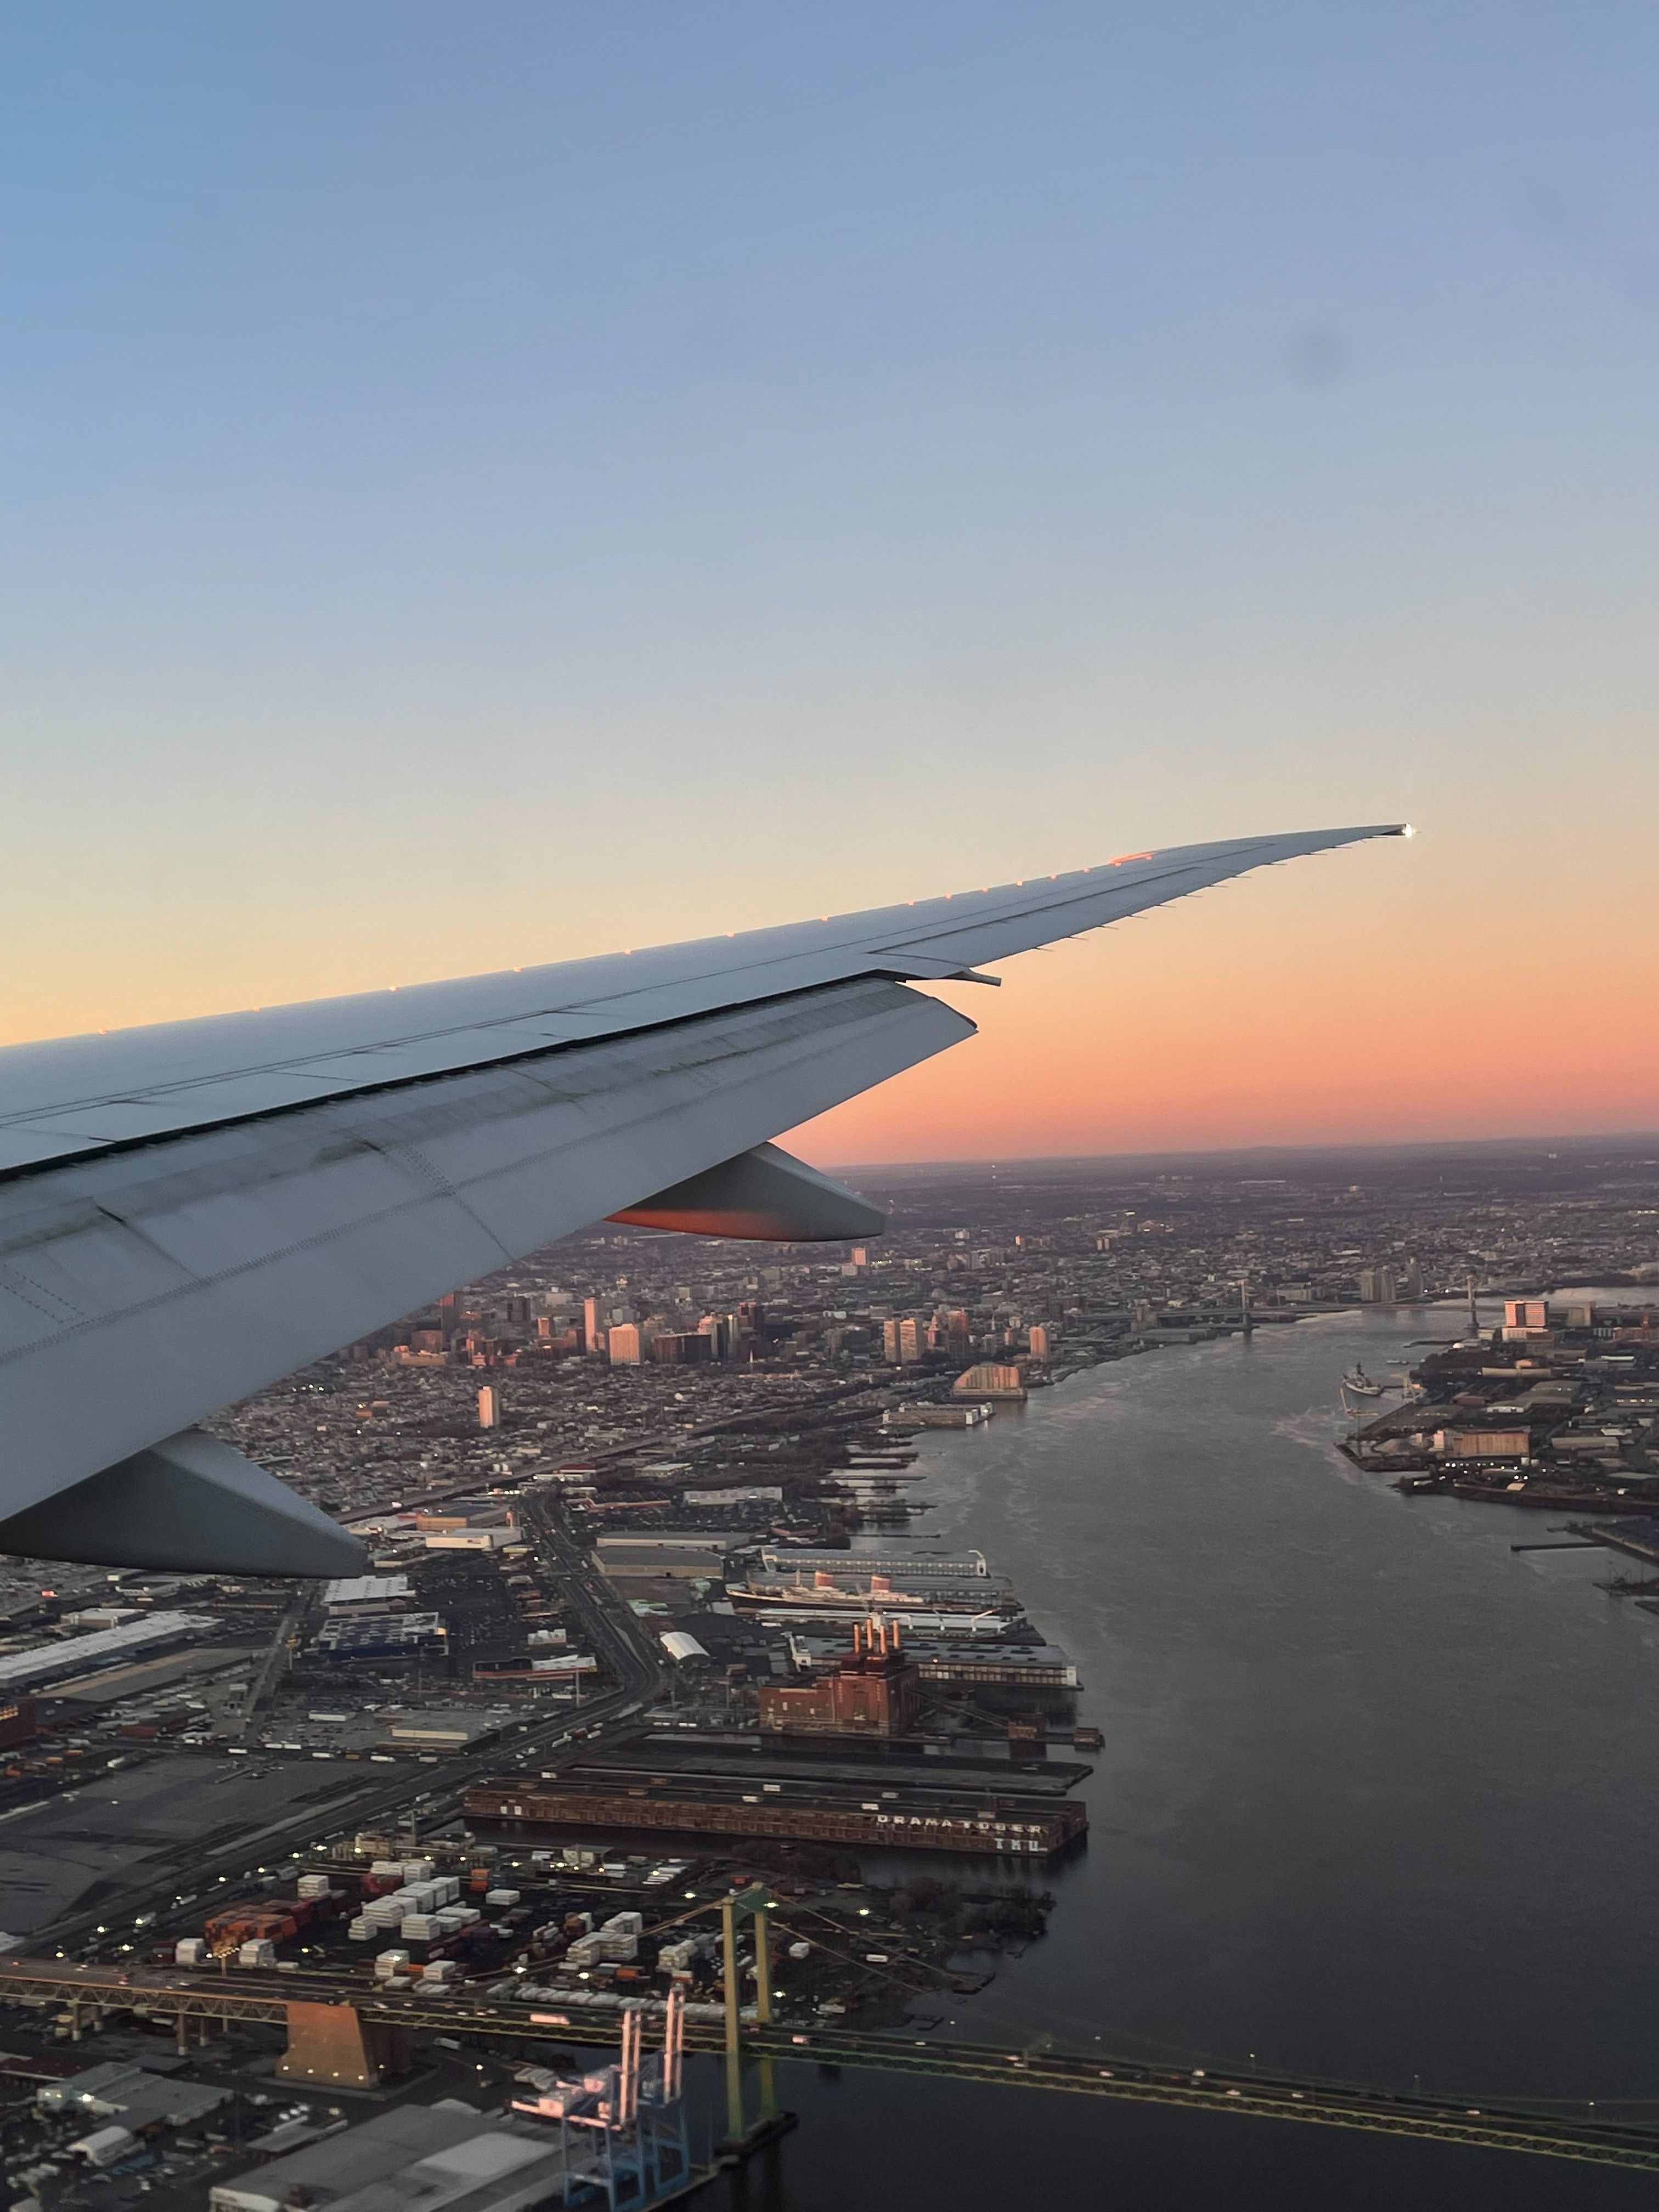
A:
<point x="334" y="2025"/>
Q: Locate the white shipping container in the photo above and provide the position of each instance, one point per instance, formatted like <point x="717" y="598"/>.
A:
<point x="501" y="1896"/>
<point x="419" y="1928"/>
<point x="190" y="1951"/>
<point x="257" y="1952"/>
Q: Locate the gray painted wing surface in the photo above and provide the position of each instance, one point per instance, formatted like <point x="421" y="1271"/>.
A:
<point x="142" y="1289"/>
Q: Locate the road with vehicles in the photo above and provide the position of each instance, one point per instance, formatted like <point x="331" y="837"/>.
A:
<point x="105" y="1917"/>
<point x="211" y="1998"/>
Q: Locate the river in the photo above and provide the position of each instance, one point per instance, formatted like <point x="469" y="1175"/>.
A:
<point x="1377" y="1802"/>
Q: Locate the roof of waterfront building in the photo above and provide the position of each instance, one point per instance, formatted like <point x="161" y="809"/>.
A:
<point x="438" y="2158"/>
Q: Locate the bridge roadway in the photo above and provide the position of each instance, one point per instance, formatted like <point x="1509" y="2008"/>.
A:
<point x="210" y="1998"/>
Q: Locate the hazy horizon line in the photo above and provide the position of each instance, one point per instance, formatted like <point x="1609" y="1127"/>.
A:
<point x="1285" y="1150"/>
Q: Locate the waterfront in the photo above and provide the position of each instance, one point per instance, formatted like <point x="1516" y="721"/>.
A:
<point x="1375" y="1799"/>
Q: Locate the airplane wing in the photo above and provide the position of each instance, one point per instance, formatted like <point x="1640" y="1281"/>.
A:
<point x="189" y="1212"/>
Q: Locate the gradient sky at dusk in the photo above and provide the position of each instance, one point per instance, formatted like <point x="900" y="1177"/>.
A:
<point x="492" y="482"/>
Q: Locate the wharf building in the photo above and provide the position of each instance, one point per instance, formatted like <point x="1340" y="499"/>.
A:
<point x="977" y="1818"/>
<point x="854" y="1567"/>
<point x="991" y="1381"/>
<point x="1023" y="1667"/>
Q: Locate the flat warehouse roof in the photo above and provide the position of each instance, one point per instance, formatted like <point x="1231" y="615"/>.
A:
<point x="65" y="1657"/>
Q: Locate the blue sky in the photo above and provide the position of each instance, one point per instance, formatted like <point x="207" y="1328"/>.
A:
<point x="491" y="482"/>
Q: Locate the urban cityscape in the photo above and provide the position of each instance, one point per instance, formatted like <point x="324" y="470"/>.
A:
<point x="662" y="1706"/>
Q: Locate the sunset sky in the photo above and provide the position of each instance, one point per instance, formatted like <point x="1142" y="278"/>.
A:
<point x="492" y="483"/>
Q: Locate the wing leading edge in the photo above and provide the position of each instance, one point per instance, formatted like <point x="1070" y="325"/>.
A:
<point x="191" y="1211"/>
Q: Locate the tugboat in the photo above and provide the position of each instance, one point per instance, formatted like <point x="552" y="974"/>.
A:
<point x="1361" y="1384"/>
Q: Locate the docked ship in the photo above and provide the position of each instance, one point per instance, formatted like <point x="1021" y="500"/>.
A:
<point x="1358" y="1384"/>
<point x="823" y="1593"/>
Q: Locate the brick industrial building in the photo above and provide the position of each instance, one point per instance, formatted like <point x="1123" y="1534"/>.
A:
<point x="874" y="1692"/>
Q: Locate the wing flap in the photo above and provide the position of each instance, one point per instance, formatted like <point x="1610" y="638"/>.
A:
<point x="766" y="1196"/>
<point x="190" y="1503"/>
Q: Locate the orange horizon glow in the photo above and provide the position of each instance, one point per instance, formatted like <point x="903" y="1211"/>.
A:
<point x="1270" y="1012"/>
<point x="1385" y="994"/>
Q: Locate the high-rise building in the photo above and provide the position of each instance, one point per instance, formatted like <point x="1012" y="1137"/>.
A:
<point x="1038" y="1343"/>
<point x="718" y="1329"/>
<point x="1523" y="1314"/>
<point x="679" y="1346"/>
<point x="489" y="1407"/>
<point x="592" y="1326"/>
<point x="625" y="1345"/>
<point x="904" y="1341"/>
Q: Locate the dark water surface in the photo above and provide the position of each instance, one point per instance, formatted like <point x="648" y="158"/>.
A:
<point x="1377" y="1802"/>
